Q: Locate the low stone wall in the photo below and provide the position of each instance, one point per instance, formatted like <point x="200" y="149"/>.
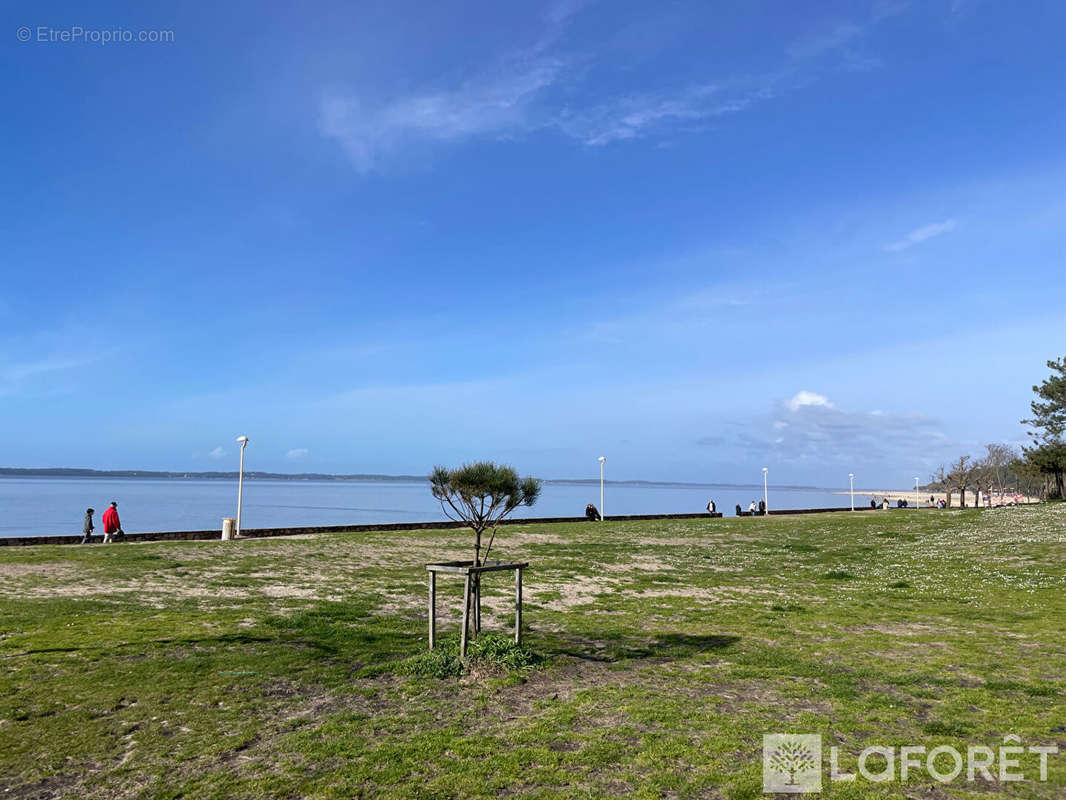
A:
<point x="263" y="533"/>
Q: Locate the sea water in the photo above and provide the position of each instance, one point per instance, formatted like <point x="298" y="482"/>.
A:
<point x="47" y="506"/>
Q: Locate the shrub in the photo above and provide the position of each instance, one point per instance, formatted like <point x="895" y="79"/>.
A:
<point x="491" y="652"/>
<point x="837" y="575"/>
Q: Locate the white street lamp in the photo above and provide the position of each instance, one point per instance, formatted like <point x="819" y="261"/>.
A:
<point x="603" y="508"/>
<point x="240" y="483"/>
<point x="765" y="498"/>
<point x="916" y="501"/>
<point x="851" y="479"/>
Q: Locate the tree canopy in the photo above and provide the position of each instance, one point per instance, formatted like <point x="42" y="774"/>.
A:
<point x="1048" y="453"/>
<point x="481" y="494"/>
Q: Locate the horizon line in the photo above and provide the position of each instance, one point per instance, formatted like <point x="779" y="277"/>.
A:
<point x="87" y="472"/>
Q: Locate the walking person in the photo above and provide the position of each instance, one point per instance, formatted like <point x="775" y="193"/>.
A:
<point x="87" y="526"/>
<point x="112" y="525"/>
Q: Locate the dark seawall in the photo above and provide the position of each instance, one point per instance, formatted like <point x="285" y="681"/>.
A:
<point x="264" y="533"/>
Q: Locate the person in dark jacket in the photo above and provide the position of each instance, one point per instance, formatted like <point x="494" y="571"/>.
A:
<point x="711" y="507"/>
<point x="762" y="507"/>
<point x="87" y="527"/>
<point x="740" y="512"/>
<point x="591" y="514"/>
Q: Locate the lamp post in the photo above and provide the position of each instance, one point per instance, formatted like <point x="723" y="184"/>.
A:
<point x="603" y="508"/>
<point x="916" y="501"/>
<point x="240" y="483"/>
<point x="765" y="498"/>
<point x="851" y="480"/>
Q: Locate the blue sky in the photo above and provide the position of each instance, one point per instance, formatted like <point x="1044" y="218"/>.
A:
<point x="698" y="238"/>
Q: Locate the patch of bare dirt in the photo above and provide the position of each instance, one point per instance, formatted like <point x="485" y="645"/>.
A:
<point x="50" y="569"/>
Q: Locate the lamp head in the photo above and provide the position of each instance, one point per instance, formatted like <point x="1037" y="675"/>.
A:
<point x="602" y="458"/>
<point x="764" y="469"/>
<point x="242" y="439"/>
<point x="851" y="474"/>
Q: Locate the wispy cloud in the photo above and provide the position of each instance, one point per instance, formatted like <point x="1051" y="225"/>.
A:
<point x="217" y="453"/>
<point x="297" y="453"/>
<point x="523" y="92"/>
<point x="922" y="234"/>
<point x="16" y="376"/>
<point x="834" y="38"/>
<point x="493" y="103"/>
<point x="512" y="101"/>
<point x="562" y="10"/>
<point x="643" y="114"/>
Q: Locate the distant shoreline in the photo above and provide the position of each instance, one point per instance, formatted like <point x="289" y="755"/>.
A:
<point x="77" y="472"/>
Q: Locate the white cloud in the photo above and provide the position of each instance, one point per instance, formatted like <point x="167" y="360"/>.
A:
<point x="492" y="103"/>
<point x="507" y="102"/>
<point x="17" y="372"/>
<point x="809" y="430"/>
<point x="836" y="37"/>
<point x="638" y="115"/>
<point x="297" y="453"/>
<point x="562" y="10"/>
<point x="922" y="234"/>
<point x="36" y="373"/>
<point x="217" y="453"/>
<point x="519" y="94"/>
<point x="805" y="398"/>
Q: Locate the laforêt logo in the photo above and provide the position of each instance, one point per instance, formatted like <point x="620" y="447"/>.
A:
<point x="792" y="762"/>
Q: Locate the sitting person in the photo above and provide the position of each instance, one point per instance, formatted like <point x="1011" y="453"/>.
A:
<point x="740" y="512"/>
<point x="711" y="507"/>
<point x="591" y="514"/>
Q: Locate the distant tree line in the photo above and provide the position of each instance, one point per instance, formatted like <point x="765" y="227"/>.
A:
<point x="1035" y="470"/>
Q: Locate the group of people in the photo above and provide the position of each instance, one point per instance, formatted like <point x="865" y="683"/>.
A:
<point x="883" y="503"/>
<point x="592" y="514"/>
<point x="753" y="509"/>
<point x="110" y="521"/>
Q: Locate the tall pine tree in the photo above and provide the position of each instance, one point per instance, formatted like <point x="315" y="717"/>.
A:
<point x="1048" y="451"/>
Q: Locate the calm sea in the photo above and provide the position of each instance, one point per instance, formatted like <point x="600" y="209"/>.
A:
<point x="44" y="506"/>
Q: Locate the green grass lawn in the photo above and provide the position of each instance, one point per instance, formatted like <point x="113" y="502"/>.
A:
<point x="283" y="668"/>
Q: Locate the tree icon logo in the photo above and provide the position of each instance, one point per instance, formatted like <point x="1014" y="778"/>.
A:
<point x="792" y="762"/>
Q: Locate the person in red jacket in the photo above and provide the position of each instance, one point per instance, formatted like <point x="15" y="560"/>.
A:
<point x="111" y="523"/>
